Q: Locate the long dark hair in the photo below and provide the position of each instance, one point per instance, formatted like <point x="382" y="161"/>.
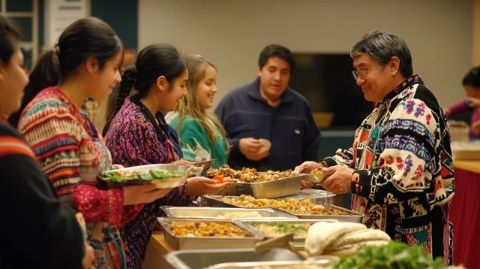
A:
<point x="152" y="61"/>
<point x="87" y="37"/>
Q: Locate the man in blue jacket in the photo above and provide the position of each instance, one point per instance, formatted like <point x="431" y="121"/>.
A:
<point x="269" y="125"/>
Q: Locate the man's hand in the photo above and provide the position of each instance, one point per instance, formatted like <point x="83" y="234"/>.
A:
<point x="307" y="167"/>
<point x="339" y="180"/>
<point x="254" y="149"/>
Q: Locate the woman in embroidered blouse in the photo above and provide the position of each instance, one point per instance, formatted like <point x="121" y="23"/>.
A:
<point x="399" y="168"/>
<point x="84" y="65"/>
<point x="202" y="136"/>
<point x="139" y="135"/>
<point x="32" y="213"/>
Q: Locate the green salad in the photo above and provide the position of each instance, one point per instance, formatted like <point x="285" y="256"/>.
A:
<point x="394" y="255"/>
<point x="128" y="175"/>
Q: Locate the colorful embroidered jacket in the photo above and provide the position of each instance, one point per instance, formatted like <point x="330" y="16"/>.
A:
<point x="72" y="153"/>
<point x="195" y="143"/>
<point x="404" y="170"/>
<point x="38" y="231"/>
<point x="135" y="138"/>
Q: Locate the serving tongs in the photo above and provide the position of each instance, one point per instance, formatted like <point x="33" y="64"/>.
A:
<point x="284" y="241"/>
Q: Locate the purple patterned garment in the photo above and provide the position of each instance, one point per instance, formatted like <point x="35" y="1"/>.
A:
<point x="133" y="140"/>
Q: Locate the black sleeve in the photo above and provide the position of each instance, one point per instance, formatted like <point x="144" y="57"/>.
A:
<point x="36" y="227"/>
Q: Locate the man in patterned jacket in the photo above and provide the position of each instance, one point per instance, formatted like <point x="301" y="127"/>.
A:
<point x="399" y="168"/>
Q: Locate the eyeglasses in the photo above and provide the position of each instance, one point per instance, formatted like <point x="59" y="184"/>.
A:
<point x="363" y="72"/>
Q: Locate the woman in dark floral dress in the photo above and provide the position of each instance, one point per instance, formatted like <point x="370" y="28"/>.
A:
<point x="139" y="135"/>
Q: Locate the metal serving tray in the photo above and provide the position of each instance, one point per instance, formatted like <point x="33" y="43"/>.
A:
<point x="351" y="217"/>
<point x="269" y="189"/>
<point x="196" y="259"/>
<point x="178" y="242"/>
<point x="317" y="196"/>
<point x="216" y="200"/>
<point x="325" y="263"/>
<point x="211" y="200"/>
<point x="223" y="212"/>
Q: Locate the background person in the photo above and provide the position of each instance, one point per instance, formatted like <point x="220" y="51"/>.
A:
<point x="202" y="136"/>
<point x="471" y="104"/>
<point x="399" y="168"/>
<point x="269" y="125"/>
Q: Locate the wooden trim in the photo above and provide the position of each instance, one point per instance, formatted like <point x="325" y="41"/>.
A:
<point x="470" y="166"/>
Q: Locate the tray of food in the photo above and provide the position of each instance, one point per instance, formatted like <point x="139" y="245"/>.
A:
<point x="326" y="263"/>
<point x="164" y="176"/>
<point x="224" y="213"/>
<point x="207" y="233"/>
<point x="327" y="211"/>
<point x="301" y="208"/>
<point x="267" y="184"/>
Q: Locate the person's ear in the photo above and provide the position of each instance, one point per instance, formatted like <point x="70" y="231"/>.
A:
<point x="162" y="83"/>
<point x="259" y="71"/>
<point x="91" y="64"/>
<point x="394" y="65"/>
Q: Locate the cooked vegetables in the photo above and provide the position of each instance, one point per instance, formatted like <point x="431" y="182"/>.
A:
<point x="189" y="228"/>
<point x="394" y="255"/>
<point x="292" y="206"/>
<point x="249" y="175"/>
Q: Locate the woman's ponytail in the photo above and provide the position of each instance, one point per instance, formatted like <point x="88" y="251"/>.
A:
<point x="46" y="73"/>
<point x="123" y="91"/>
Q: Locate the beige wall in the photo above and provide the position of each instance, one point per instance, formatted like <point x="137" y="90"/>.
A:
<point x="231" y="33"/>
<point x="476" y="32"/>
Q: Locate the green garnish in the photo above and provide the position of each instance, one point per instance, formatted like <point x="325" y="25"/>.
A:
<point x="150" y="174"/>
<point x="394" y="255"/>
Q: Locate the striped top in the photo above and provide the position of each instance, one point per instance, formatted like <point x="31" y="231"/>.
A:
<point x="10" y="145"/>
<point x="72" y="153"/>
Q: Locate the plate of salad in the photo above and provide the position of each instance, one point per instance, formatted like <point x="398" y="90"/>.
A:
<point x="164" y="176"/>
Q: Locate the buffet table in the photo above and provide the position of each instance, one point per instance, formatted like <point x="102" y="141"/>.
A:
<point x="157" y="248"/>
<point x="465" y="213"/>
